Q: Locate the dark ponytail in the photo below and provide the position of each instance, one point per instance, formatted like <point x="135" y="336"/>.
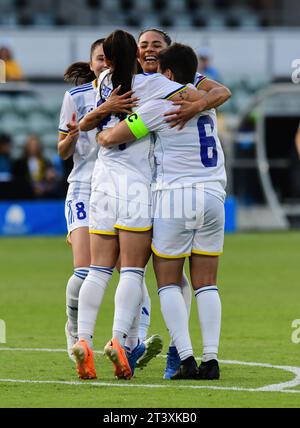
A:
<point x="120" y="49"/>
<point x="80" y="72"/>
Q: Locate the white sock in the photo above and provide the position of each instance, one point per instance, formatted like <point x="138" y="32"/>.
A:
<point x="72" y="293"/>
<point x="186" y="290"/>
<point x="175" y="315"/>
<point x="128" y="301"/>
<point x="209" y="311"/>
<point x="145" y="314"/>
<point x="90" y="299"/>
<point x="132" y="340"/>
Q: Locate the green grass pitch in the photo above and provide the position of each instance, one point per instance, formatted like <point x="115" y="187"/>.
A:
<point x="259" y="284"/>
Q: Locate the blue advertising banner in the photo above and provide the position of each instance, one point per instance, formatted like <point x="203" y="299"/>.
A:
<point x="46" y="218"/>
<point x="32" y="218"/>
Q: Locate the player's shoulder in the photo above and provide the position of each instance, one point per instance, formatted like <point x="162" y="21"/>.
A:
<point x="148" y="77"/>
<point x="199" y="78"/>
<point x="77" y="91"/>
<point x="104" y="75"/>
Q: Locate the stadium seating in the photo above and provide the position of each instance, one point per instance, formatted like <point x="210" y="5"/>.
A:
<point x="135" y="13"/>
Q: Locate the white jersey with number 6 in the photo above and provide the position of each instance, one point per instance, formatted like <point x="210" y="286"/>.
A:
<point x="189" y="156"/>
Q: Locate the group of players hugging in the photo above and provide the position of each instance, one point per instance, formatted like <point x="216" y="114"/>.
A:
<point x="148" y="180"/>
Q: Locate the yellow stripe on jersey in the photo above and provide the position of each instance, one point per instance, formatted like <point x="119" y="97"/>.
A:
<point x="133" y="229"/>
<point x="200" y="83"/>
<point x="207" y="253"/>
<point x="183" y="88"/>
<point x="63" y="132"/>
<point x="102" y="232"/>
<point x="167" y="256"/>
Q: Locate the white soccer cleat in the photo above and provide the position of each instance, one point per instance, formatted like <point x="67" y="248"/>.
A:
<point x="71" y="341"/>
<point x="153" y="347"/>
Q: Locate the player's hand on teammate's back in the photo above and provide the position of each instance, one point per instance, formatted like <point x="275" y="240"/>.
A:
<point x="73" y="127"/>
<point x="180" y="117"/>
<point x="122" y="103"/>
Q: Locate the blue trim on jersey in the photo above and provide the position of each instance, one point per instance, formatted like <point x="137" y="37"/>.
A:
<point x="204" y="291"/>
<point x="86" y="85"/>
<point x="63" y="130"/>
<point x="174" y="92"/>
<point x="80" y="91"/>
<point x="73" y="91"/>
<point x="141" y="273"/>
<point x="200" y="79"/>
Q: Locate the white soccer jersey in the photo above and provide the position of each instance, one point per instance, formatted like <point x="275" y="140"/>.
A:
<point x="192" y="155"/>
<point x="81" y="100"/>
<point x="199" y="78"/>
<point x="131" y="161"/>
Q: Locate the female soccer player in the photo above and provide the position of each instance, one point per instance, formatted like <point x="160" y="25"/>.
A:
<point x="122" y="179"/>
<point x="82" y="146"/>
<point x="151" y="43"/>
<point x="198" y="178"/>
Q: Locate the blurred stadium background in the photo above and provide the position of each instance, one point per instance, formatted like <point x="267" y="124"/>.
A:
<point x="251" y="45"/>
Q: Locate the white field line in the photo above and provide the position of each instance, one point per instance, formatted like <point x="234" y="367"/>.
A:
<point x="149" y="386"/>
<point x="281" y="387"/>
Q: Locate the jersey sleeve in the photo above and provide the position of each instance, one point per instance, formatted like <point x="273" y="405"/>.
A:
<point x="162" y="88"/>
<point x="148" y="118"/>
<point x="199" y="79"/>
<point x="67" y="109"/>
<point x="152" y="113"/>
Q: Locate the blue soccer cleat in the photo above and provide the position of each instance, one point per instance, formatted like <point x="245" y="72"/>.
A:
<point x="135" y="355"/>
<point x="173" y="363"/>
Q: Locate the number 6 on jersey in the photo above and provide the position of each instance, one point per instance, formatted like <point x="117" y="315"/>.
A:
<point x="208" y="145"/>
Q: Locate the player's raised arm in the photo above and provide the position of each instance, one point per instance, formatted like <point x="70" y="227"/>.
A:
<point x="210" y="95"/>
<point x="113" y="105"/>
<point x="67" y="141"/>
<point x="216" y="94"/>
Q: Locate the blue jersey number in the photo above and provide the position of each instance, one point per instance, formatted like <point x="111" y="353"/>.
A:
<point x="81" y="213"/>
<point x="208" y="145"/>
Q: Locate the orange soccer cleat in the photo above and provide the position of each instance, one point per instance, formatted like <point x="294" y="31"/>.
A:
<point x="117" y="355"/>
<point x="84" y="357"/>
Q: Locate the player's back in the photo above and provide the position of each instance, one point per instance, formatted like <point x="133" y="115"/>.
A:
<point x="133" y="160"/>
<point x="188" y="156"/>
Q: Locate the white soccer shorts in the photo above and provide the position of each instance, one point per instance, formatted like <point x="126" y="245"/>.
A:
<point x="77" y="207"/>
<point x="194" y="224"/>
<point x="109" y="214"/>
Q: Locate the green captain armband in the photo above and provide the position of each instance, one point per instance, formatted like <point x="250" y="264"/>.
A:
<point x="137" y="126"/>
